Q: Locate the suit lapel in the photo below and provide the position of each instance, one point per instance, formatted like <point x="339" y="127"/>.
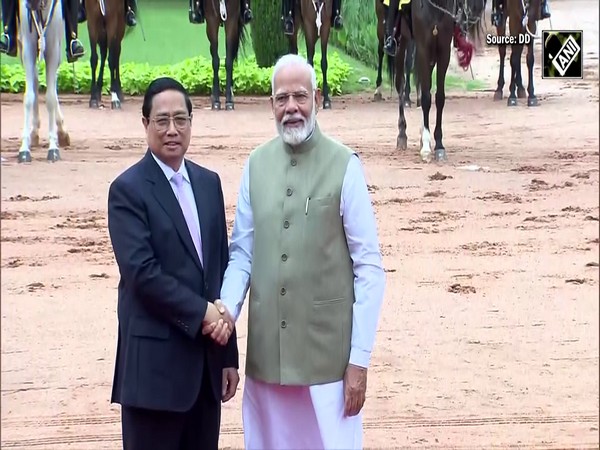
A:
<point x="203" y="206"/>
<point x="166" y="198"/>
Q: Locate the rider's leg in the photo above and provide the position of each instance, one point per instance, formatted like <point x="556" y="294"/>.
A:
<point x="389" y="41"/>
<point x="8" y="41"/>
<point x="545" y="11"/>
<point x="130" y="9"/>
<point x="196" y="13"/>
<point x="497" y="12"/>
<point x="246" y="11"/>
<point x="287" y="15"/>
<point x="74" y="46"/>
<point x="338" y="22"/>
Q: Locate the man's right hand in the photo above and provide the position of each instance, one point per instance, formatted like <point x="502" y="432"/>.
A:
<point x="218" y="322"/>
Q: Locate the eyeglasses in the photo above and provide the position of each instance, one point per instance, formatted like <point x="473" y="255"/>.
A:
<point x="300" y="97"/>
<point x="162" y="123"/>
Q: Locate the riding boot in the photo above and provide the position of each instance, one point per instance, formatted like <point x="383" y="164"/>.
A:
<point x="389" y="40"/>
<point x="130" y="8"/>
<point x="8" y="41"/>
<point x="246" y="12"/>
<point x="497" y="12"/>
<point x="545" y="11"/>
<point x="75" y="48"/>
<point x="287" y="15"/>
<point x="196" y="13"/>
<point x="82" y="16"/>
<point x="338" y="22"/>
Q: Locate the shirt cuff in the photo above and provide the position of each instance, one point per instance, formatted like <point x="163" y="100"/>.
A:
<point x="360" y="357"/>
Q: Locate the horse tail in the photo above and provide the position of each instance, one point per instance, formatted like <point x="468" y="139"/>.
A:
<point x="239" y="41"/>
<point x="391" y="68"/>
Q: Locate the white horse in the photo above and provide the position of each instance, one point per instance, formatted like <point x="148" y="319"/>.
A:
<point x="41" y="32"/>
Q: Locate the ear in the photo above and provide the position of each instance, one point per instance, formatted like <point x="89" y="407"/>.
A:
<point x="145" y="122"/>
<point x="318" y="99"/>
<point x="271" y="100"/>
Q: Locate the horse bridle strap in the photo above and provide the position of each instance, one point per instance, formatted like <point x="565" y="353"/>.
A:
<point x="40" y="24"/>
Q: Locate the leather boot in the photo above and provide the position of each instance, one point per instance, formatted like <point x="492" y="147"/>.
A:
<point x="196" y="14"/>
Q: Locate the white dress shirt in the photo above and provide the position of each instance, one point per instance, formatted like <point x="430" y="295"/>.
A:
<point x="187" y="190"/>
<point x="361" y="235"/>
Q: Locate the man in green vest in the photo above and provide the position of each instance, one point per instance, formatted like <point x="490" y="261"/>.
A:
<point x="305" y="243"/>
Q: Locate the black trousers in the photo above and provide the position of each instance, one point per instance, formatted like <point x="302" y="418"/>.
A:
<point x="70" y="13"/>
<point x="9" y="17"/>
<point x="162" y="430"/>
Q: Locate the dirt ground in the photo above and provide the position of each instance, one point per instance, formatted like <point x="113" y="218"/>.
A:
<point x="489" y="331"/>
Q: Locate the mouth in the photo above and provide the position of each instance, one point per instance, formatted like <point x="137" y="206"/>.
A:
<point x="171" y="144"/>
<point x="293" y="123"/>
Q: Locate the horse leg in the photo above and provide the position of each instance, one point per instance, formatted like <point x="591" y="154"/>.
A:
<point x="378" y="96"/>
<point x="229" y="51"/>
<point x="94" y="100"/>
<point x="531" y="99"/>
<point x="425" y="70"/>
<point x="440" y="101"/>
<point x="29" y="100"/>
<point x="100" y="80"/>
<point x="408" y="63"/>
<point x="52" y="61"/>
<point x="402" y="139"/>
<point x="325" y="28"/>
<point x="212" y="32"/>
<point x="515" y="61"/>
<point x="500" y="86"/>
<point x="113" y="66"/>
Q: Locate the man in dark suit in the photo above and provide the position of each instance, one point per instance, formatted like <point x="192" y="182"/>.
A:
<point x="166" y="219"/>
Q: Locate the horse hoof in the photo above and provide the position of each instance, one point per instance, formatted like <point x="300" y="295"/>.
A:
<point x="440" y="154"/>
<point x="532" y="101"/>
<point x="402" y="143"/>
<point x="115" y="104"/>
<point x="426" y="156"/>
<point x="94" y="104"/>
<point x="229" y="106"/>
<point x="512" y="101"/>
<point x="216" y="106"/>
<point x="377" y="97"/>
<point x="521" y="93"/>
<point x="327" y="104"/>
<point x="24" y="157"/>
<point x="64" y="140"/>
<point x="53" y="155"/>
<point x="497" y="95"/>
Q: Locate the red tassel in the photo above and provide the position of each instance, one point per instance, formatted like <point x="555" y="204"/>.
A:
<point x="464" y="48"/>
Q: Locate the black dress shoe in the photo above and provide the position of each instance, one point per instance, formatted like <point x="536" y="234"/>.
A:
<point x="545" y="13"/>
<point x="8" y="45"/>
<point x="195" y="17"/>
<point x="247" y="16"/>
<point x="75" y="52"/>
<point x="130" y="18"/>
<point x="288" y="26"/>
<point x="338" y="22"/>
<point x="389" y="46"/>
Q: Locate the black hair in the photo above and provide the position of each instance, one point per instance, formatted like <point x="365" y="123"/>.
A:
<point x="160" y="85"/>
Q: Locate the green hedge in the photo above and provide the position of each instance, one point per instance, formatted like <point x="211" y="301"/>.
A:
<point x="194" y="73"/>
<point x="268" y="40"/>
<point x="358" y="38"/>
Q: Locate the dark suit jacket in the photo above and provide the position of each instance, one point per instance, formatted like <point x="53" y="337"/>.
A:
<point x="163" y="290"/>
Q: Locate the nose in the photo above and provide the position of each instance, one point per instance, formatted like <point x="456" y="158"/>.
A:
<point x="291" y="105"/>
<point x="171" y="130"/>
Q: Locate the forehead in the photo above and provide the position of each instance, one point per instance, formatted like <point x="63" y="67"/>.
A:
<point x="168" y="102"/>
<point x="292" y="78"/>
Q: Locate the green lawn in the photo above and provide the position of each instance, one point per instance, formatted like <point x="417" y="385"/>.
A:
<point x="165" y="36"/>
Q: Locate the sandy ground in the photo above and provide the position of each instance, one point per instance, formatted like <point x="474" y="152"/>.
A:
<point x="489" y="333"/>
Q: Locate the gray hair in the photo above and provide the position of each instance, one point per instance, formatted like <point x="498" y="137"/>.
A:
<point x="293" y="60"/>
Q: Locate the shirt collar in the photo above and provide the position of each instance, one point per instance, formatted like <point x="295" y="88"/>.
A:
<point x="169" y="172"/>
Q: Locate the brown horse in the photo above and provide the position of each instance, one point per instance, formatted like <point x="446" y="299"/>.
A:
<point x="522" y="21"/>
<point x="106" y="29"/>
<point x="314" y="17"/>
<point x="220" y="12"/>
<point x="501" y="31"/>
<point x="381" y="12"/>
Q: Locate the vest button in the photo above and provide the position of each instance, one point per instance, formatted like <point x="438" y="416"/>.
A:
<point x="286" y="224"/>
<point x="289" y="192"/>
<point x="284" y="257"/>
<point x="293" y="162"/>
<point x="283" y="324"/>
<point x="282" y="291"/>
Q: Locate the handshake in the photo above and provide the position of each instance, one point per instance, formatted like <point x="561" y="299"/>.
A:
<point x="218" y="322"/>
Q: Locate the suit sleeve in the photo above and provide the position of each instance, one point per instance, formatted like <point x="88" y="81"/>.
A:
<point x="231" y="348"/>
<point x="160" y="293"/>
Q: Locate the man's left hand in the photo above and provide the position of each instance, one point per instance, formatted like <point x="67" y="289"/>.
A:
<point x="355" y="388"/>
<point x="231" y="378"/>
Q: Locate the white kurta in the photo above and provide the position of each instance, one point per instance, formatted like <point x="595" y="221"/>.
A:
<point x="311" y="417"/>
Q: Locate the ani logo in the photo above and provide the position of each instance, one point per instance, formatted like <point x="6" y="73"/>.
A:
<point x="562" y="54"/>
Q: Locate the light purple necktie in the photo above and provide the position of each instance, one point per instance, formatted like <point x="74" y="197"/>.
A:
<point x="188" y="214"/>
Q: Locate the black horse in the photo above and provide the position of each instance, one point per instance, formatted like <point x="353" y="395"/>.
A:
<point x="434" y="25"/>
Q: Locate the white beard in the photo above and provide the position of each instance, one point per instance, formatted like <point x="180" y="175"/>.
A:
<point x="297" y="135"/>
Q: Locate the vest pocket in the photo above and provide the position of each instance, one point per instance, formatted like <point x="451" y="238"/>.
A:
<point x="326" y="336"/>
